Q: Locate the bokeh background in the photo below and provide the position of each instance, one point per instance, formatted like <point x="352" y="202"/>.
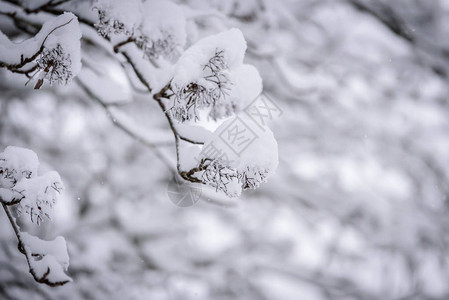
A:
<point x="358" y="208"/>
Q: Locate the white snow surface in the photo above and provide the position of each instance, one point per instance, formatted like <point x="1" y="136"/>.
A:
<point x="56" y="248"/>
<point x="15" y="163"/>
<point x="262" y="153"/>
<point x="40" y="194"/>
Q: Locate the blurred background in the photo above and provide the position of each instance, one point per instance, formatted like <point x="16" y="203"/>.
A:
<point x="358" y="208"/>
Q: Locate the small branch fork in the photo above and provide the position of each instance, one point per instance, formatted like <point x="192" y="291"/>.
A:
<point x="158" y="97"/>
<point x="186" y="175"/>
<point x="25" y="251"/>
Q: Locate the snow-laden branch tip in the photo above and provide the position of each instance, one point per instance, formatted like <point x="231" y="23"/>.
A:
<point x="217" y="165"/>
<point x="53" y="54"/>
<point x="211" y="76"/>
<point x="35" y="195"/>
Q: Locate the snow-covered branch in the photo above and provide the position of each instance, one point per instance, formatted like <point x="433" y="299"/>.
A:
<point x="208" y="78"/>
<point x="21" y="187"/>
<point x="53" y="54"/>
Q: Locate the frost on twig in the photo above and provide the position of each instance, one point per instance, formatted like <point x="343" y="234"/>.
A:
<point x="164" y="46"/>
<point x="116" y="17"/>
<point x="36" y="196"/>
<point x="157" y="27"/>
<point x="231" y="180"/>
<point x="55" y="65"/>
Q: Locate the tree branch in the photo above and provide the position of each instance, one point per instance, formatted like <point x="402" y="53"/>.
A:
<point x="23" y="249"/>
<point x="15" y="68"/>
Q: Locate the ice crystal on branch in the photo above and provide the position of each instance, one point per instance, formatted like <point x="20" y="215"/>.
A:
<point x="153" y="49"/>
<point x="55" y="65"/>
<point x="252" y="177"/>
<point x="222" y="177"/>
<point x="118" y="17"/>
<point x="157" y="27"/>
<point x="106" y="26"/>
<point x="209" y="91"/>
<point x="230" y="180"/>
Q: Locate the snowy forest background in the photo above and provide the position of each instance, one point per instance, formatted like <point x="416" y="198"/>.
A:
<point x="357" y="208"/>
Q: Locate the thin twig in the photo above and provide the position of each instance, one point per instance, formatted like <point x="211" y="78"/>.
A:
<point x="127" y="41"/>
